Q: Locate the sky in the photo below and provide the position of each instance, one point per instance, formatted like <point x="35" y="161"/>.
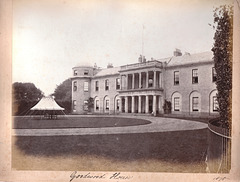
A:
<point x="50" y="37"/>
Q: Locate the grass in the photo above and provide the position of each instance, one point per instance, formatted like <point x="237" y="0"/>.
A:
<point x="178" y="151"/>
<point x="76" y="122"/>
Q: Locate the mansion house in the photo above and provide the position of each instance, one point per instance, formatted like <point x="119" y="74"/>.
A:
<point x="186" y="81"/>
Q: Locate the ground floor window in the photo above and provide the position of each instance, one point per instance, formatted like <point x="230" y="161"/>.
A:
<point x="195" y="104"/>
<point x="215" y="103"/>
<point x="74" y="105"/>
<point x="118" y="104"/>
<point x="97" y="105"/>
<point x="107" y="105"/>
<point x="176" y="103"/>
<point x="85" y="105"/>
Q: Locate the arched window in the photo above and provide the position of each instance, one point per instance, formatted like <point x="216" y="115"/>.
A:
<point x="195" y="102"/>
<point x="176" y="101"/>
<point x="213" y="102"/>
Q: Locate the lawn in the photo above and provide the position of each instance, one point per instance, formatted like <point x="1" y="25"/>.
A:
<point x="75" y="122"/>
<point x="178" y="151"/>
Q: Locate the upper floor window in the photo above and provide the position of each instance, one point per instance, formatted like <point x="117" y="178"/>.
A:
<point x="85" y="72"/>
<point x="75" y="86"/>
<point x="96" y="86"/>
<point x="195" y="76"/>
<point x="176" y="103"/>
<point x="215" y="103"/>
<point x="85" y="86"/>
<point x="195" y="104"/>
<point x="75" y="72"/>
<point x="176" y="77"/>
<point x="214" y="75"/>
<point x="106" y="84"/>
<point x="118" y="83"/>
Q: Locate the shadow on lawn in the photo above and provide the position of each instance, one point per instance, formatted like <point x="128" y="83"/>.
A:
<point x="177" y="146"/>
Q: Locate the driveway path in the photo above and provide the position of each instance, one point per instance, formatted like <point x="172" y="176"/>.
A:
<point x="157" y="124"/>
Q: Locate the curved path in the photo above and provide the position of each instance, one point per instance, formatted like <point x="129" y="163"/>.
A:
<point x="158" y="125"/>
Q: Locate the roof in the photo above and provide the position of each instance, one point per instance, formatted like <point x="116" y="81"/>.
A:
<point x="108" y="71"/>
<point x="189" y="59"/>
<point x="47" y="103"/>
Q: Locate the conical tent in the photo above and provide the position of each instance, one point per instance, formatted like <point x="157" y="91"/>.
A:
<point x="47" y="104"/>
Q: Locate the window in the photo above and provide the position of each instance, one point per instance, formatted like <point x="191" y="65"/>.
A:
<point x="75" y="73"/>
<point x="214" y="75"/>
<point x="118" y="83"/>
<point x="176" y="103"/>
<point x="97" y="105"/>
<point x="85" y="105"/>
<point x="85" y="72"/>
<point x="74" y="105"/>
<point x="176" y="77"/>
<point x="75" y="86"/>
<point x="118" y="104"/>
<point x="194" y="76"/>
<point x="215" y="103"/>
<point x="150" y="83"/>
<point x="85" y="86"/>
<point x="107" y="105"/>
<point x="195" y="104"/>
<point x="96" y="86"/>
<point x="106" y="85"/>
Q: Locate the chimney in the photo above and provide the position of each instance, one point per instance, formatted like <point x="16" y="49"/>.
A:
<point x="177" y="52"/>
<point x="140" y="59"/>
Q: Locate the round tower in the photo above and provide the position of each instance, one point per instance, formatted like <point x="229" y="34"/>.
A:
<point x="81" y="87"/>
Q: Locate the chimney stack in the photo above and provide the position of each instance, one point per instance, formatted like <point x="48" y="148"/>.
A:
<point x="177" y="52"/>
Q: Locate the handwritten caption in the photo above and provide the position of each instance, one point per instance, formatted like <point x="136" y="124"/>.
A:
<point x="113" y="176"/>
<point x="220" y="178"/>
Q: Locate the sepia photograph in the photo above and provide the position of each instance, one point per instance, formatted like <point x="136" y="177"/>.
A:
<point x="122" y="87"/>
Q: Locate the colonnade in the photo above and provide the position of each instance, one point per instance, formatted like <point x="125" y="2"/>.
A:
<point x="141" y="104"/>
<point x="142" y="80"/>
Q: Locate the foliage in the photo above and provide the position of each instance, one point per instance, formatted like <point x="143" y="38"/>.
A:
<point x="90" y="103"/>
<point x="63" y="95"/>
<point x="25" y="96"/>
<point x="222" y="51"/>
<point x="167" y="107"/>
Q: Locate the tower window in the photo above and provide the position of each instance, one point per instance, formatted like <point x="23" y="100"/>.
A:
<point x="195" y="76"/>
<point x="75" y="86"/>
<point x="86" y="72"/>
<point x="75" y="72"/>
<point x="85" y="86"/>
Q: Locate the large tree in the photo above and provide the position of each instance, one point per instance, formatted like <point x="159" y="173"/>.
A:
<point x="25" y="96"/>
<point x="63" y="95"/>
<point x="223" y="55"/>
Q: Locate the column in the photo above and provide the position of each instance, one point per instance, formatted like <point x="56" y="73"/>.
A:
<point x="126" y="81"/>
<point x="140" y="78"/>
<point x="133" y="104"/>
<point x="126" y="104"/>
<point x="154" y="105"/>
<point x="160" y="80"/>
<point x="160" y="104"/>
<point x="139" y="103"/>
<point x="154" y="79"/>
<point x="146" y="79"/>
<point x="147" y="104"/>
<point x="133" y="80"/>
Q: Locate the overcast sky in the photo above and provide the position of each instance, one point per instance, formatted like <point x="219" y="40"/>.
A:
<point x="52" y="36"/>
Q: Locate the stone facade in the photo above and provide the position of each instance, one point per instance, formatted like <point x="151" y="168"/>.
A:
<point x="187" y="81"/>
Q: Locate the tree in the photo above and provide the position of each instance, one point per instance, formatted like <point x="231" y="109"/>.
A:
<point x="25" y="96"/>
<point x="222" y="51"/>
<point x="63" y="95"/>
<point x="90" y="104"/>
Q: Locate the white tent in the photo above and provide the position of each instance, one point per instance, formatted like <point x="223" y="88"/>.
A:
<point x="47" y="104"/>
